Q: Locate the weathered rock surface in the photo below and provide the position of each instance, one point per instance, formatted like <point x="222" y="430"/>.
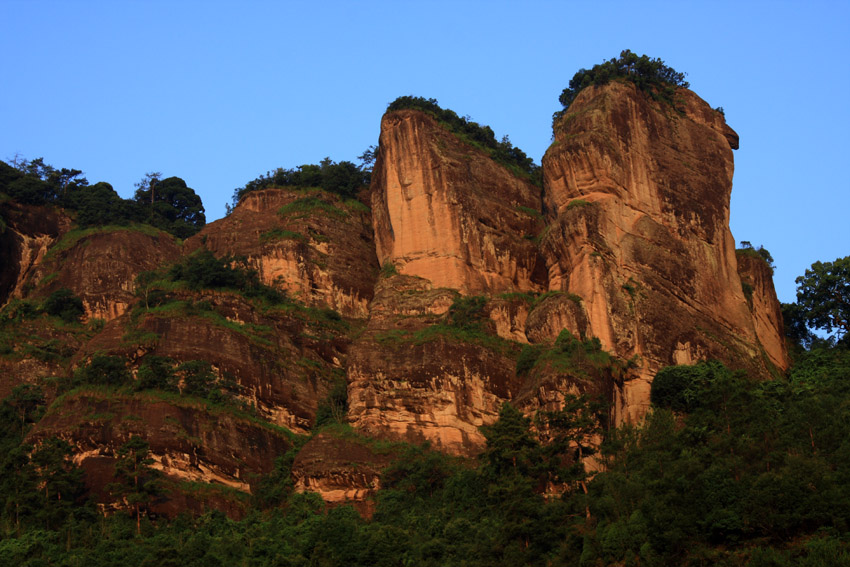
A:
<point x="27" y="234"/>
<point x="188" y="441"/>
<point x="446" y="212"/>
<point x="281" y="362"/>
<point x="101" y="267"/>
<point x="342" y="469"/>
<point x="310" y="243"/>
<point x="767" y="314"/>
<point x="413" y="380"/>
<point x="639" y="194"/>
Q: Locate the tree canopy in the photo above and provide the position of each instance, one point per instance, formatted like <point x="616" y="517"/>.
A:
<point x="823" y="293"/>
<point x="174" y="208"/>
<point x="344" y="178"/>
<point x="652" y="76"/>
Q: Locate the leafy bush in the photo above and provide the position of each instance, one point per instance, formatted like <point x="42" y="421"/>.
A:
<point x="760" y="253"/>
<point x="467" y="312"/>
<point x="64" y="304"/>
<point x="335" y="406"/>
<point x="343" y="178"/>
<point x="103" y="371"/>
<point x="156" y="373"/>
<point x="650" y="75"/>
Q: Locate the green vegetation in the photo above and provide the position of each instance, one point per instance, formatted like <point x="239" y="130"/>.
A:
<point x="168" y="204"/>
<point x="651" y="76"/>
<point x="343" y="178"/>
<point x="388" y="269"/>
<point x="474" y="134"/>
<point x="823" y="295"/>
<point x="64" y="304"/>
<point x="280" y="234"/>
<point x="760" y="253"/>
<point x="309" y="206"/>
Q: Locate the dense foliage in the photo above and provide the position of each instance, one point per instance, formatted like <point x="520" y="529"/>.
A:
<point x="649" y="75"/>
<point x="167" y="204"/>
<point x="474" y="134"/>
<point x="343" y="178"/>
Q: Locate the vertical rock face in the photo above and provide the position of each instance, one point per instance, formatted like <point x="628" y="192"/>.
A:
<point x="767" y="315"/>
<point x="277" y="362"/>
<point x="639" y="197"/>
<point x="446" y="212"/>
<point x="308" y="242"/>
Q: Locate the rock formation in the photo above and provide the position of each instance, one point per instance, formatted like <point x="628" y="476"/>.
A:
<point x="465" y="286"/>
<point x="638" y="195"/>
<point x="311" y="243"/>
<point x="446" y="212"/>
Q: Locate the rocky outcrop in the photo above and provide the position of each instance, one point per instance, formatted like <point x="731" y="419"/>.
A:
<point x="757" y="281"/>
<point x="282" y="363"/>
<point x="101" y="265"/>
<point x="312" y="244"/>
<point x="188" y="440"/>
<point x="446" y="212"/>
<point x="411" y="378"/>
<point x="638" y="193"/>
<point x="343" y="468"/>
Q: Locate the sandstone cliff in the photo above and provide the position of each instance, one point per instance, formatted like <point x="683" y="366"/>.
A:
<point x="638" y="196"/>
<point x="444" y="211"/>
<point x="464" y="287"/>
<point x="27" y="233"/>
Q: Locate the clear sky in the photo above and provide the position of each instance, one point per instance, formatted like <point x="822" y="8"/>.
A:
<point x="220" y="92"/>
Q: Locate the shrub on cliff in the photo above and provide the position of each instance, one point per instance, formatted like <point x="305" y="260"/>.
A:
<point x="343" y="178"/>
<point x="650" y="75"/>
<point x="480" y="136"/>
<point x="64" y="304"/>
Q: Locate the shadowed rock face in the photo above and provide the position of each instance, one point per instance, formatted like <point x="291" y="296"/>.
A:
<point x="638" y="193"/>
<point x="308" y="242"/>
<point x="188" y="442"/>
<point x="29" y="232"/>
<point x="344" y="470"/>
<point x="767" y="314"/>
<point x="101" y="268"/>
<point x="446" y="212"/>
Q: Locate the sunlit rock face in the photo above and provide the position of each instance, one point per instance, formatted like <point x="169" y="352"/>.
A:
<point x="312" y="244"/>
<point x="638" y="196"/>
<point x="408" y="386"/>
<point x="767" y="315"/>
<point x="446" y="212"/>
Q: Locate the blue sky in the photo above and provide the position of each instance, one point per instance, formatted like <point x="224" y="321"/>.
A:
<point x="219" y="92"/>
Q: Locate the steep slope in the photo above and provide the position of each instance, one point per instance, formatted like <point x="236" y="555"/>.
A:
<point x="638" y="193"/>
<point x="446" y="212"/>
